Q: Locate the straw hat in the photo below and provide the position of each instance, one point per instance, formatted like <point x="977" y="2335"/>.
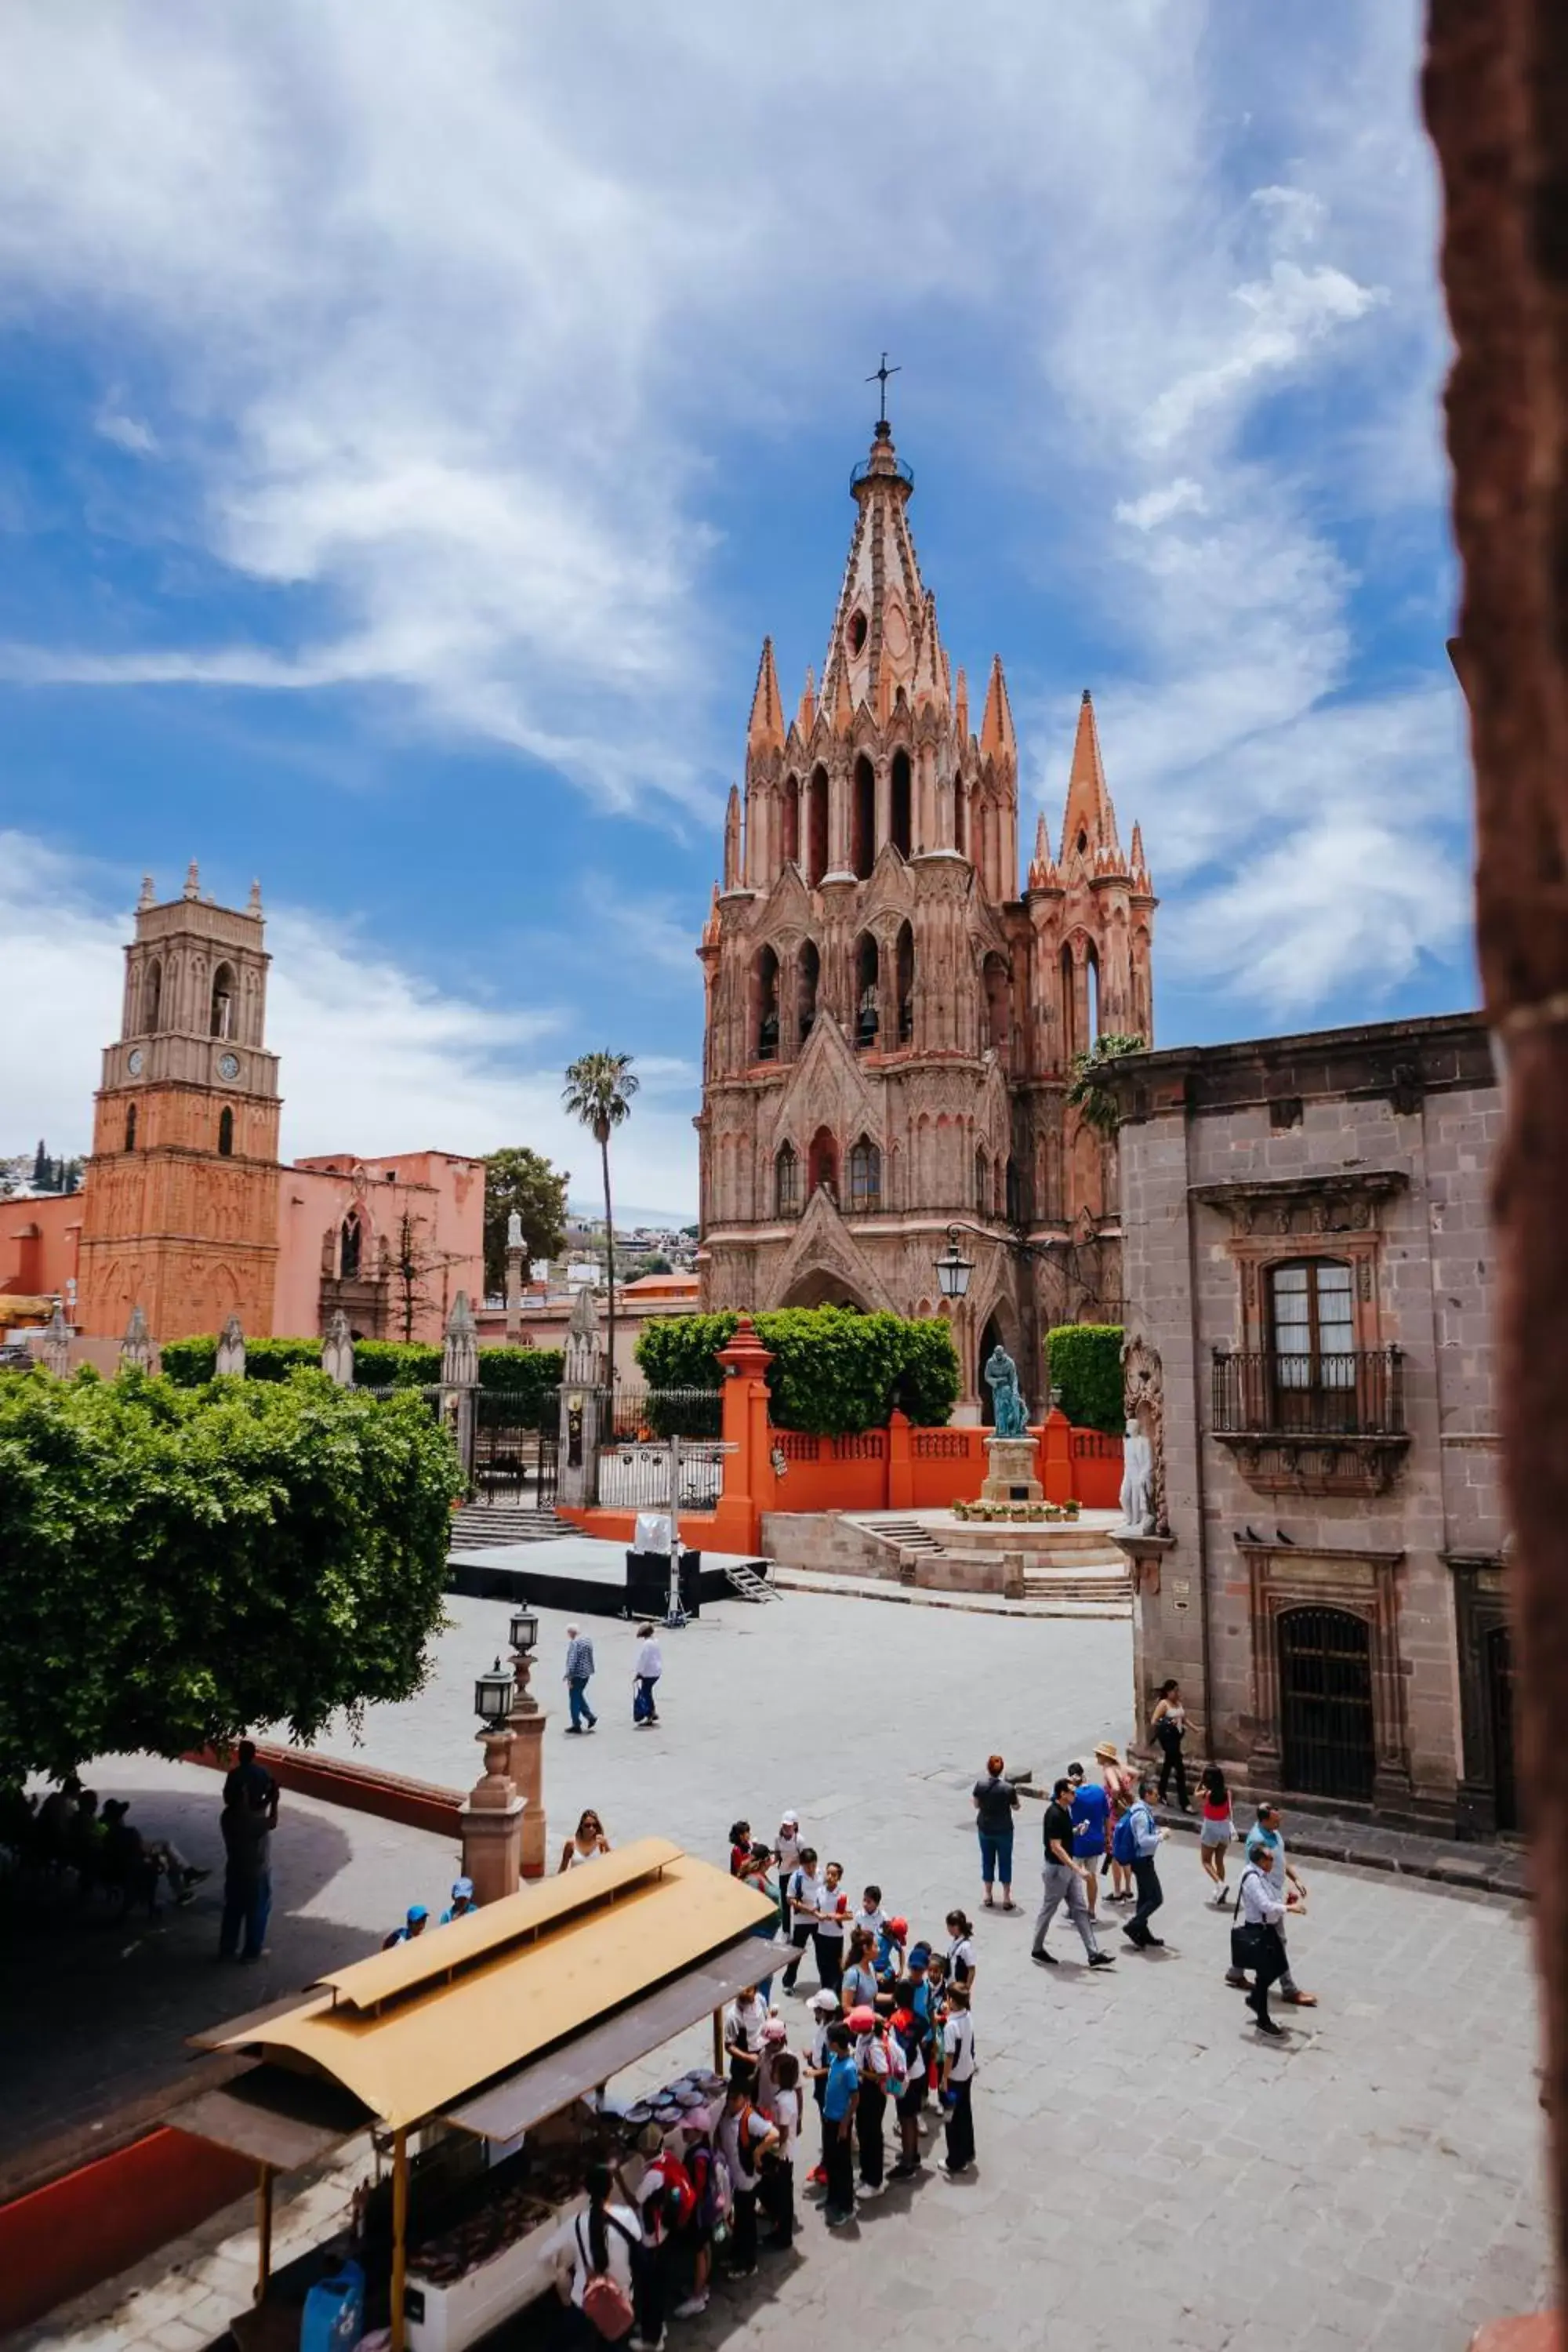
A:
<point x="1106" y="1753"/>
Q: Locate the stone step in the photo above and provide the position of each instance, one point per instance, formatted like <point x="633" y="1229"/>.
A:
<point x="481" y="1525"/>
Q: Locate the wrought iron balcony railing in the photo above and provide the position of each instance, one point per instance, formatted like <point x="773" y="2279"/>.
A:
<point x="1269" y="1393"/>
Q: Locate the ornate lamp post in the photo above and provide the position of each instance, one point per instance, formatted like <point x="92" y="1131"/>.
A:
<point x="525" y="1725"/>
<point x="493" y="1812"/>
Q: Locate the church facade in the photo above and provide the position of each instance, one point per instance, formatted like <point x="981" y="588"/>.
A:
<point x="891" y="1016"/>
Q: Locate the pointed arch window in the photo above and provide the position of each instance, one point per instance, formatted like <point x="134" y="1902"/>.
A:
<point x="131" y="1128"/>
<point x="808" y="977"/>
<point x="982" y="1182"/>
<point x="789" y="822"/>
<point x="902" y="801"/>
<point x="222" y="1022"/>
<point x="822" y="1165"/>
<point x="350" y="1244"/>
<point x="1015" y="1213"/>
<point x="863" y="820"/>
<point x="765" y="1036"/>
<point x="1070" y="1023"/>
<point x="906" y="983"/>
<point x="226" y="1133"/>
<point x="1091" y="977"/>
<point x="786" y="1182"/>
<point x="868" y="1016"/>
<point x="817" y="827"/>
<point x="998" y="1004"/>
<point x="865" y="1177"/>
<point x="152" y="996"/>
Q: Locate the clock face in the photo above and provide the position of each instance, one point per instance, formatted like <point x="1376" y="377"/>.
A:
<point x="229" y="1065"/>
<point x="134" y="1061"/>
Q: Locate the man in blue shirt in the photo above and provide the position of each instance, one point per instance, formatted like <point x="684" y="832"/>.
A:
<point x="1146" y="1835"/>
<point x="1090" y="1830"/>
<point x="841" y="2097"/>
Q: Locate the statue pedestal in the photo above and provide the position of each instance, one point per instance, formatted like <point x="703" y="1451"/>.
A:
<point x="1011" y="1477"/>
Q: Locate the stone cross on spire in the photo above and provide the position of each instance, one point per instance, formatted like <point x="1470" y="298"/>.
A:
<point x="879" y="375"/>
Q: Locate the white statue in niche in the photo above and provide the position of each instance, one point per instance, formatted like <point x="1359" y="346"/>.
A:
<point x="1137" y="1502"/>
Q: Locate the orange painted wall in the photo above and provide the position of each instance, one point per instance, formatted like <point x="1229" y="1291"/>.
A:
<point x="444" y="1196"/>
<point x="38" y="1243"/>
<point x="76" y="2232"/>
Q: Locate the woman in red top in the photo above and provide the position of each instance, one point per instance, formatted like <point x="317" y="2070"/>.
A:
<point x="1217" y="1830"/>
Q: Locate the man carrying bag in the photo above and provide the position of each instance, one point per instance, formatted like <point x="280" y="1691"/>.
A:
<point x="1257" y="1943"/>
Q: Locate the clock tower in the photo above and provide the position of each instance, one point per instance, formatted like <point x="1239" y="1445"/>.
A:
<point x="180" y="1214"/>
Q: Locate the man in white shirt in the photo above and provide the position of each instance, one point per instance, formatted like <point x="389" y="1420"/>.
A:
<point x="649" y="1667"/>
<point x="1263" y="1909"/>
<point x="744" y="2135"/>
<point x="744" y="2018"/>
<point x="802" y="1891"/>
<point x="1290" y="1888"/>
<point x="958" y="2082"/>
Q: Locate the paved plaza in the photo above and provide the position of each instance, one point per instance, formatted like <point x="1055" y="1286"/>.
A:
<point x="1150" y="2173"/>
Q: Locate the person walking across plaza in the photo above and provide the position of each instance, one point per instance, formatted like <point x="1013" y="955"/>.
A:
<point x="1218" y="1829"/>
<point x="649" y="1666"/>
<point x="841" y="2097"/>
<point x="1259" y="1938"/>
<point x="1120" y="1788"/>
<point x="995" y="1802"/>
<point x="578" y="1674"/>
<point x="1063" y="1878"/>
<point x="788" y="1851"/>
<point x="1091" y="1830"/>
<point x="1140" y="1835"/>
<point x="1168" y="1727"/>
<point x="248" y="1875"/>
<point x="1290" y="1888"/>
<point x="958" y="2082"/>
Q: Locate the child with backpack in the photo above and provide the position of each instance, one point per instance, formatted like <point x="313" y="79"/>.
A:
<point x="778" y="2164"/>
<point x="603" y="2247"/>
<point x="824" y="2010"/>
<point x="910" y="2031"/>
<point x="712" y="2202"/>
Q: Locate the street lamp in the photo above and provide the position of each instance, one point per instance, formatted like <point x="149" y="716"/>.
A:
<point x="524" y="1632"/>
<point x="952" y="1268"/>
<point x="493" y="1697"/>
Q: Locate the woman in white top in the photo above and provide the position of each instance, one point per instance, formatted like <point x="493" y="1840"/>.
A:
<point x="788" y="1848"/>
<point x="963" y="1960"/>
<point x="647" y="1670"/>
<point x="586" y="1843"/>
<point x="778" y="2173"/>
<point x="598" y="2241"/>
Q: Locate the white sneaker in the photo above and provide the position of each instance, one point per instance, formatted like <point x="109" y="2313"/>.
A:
<point x="869" y="2189"/>
<point x="693" y="2309"/>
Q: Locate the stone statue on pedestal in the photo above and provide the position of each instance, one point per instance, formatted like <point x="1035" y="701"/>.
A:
<point x="1137" y="1483"/>
<point x="1002" y="1379"/>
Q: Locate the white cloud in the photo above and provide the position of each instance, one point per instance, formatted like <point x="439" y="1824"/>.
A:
<point x="452" y="308"/>
<point x="1183" y="496"/>
<point x="127" y="433"/>
<point x="375" y="1057"/>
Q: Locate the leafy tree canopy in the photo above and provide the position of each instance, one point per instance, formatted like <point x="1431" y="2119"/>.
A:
<point x="1087" y="1089"/>
<point x="179" y="1564"/>
<point x="1085" y="1361"/>
<point x="525" y="1181"/>
<point x="834" y="1371"/>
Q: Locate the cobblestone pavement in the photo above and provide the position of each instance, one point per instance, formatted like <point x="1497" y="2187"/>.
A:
<point x="1150" y="2174"/>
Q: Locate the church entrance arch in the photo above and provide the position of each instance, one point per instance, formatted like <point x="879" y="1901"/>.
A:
<point x="822" y="1287"/>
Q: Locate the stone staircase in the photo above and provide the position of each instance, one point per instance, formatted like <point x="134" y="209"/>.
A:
<point x="479" y="1526"/>
<point x="904" y="1535"/>
<point x="1061" y="1561"/>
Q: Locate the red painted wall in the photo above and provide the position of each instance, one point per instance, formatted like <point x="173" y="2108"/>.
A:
<point x="92" y="2223"/>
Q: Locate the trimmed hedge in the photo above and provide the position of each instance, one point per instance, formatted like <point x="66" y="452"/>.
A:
<point x="392" y="1363"/>
<point x="378" y="1363"/>
<point x="189" y="1362"/>
<point x="531" y="1374"/>
<point x="1084" y="1361"/>
<point x="834" y="1371"/>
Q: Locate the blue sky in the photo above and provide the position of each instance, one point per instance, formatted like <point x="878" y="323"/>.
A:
<point x="412" y="418"/>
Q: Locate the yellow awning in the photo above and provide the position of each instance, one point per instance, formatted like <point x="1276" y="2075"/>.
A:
<point x="412" y="2031"/>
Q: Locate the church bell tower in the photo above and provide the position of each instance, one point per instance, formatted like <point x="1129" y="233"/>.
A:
<point x="180" y="1215"/>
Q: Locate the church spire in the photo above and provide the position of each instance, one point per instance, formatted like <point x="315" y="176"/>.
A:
<point x="732" y="841"/>
<point x="1042" y="866"/>
<point x="806" y="716"/>
<point x="1088" y="826"/>
<point x="871" y="652"/>
<point x="996" y="726"/>
<point x="765" y="733"/>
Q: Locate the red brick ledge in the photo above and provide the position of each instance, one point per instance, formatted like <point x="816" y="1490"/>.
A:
<point x="1540" y="2332"/>
<point x="415" y="1805"/>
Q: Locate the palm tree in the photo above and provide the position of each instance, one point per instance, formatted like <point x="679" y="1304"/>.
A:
<point x="598" y="1090"/>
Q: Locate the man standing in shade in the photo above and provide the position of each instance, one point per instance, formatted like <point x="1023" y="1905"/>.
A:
<point x="579" y="1668"/>
<point x="1063" y="1879"/>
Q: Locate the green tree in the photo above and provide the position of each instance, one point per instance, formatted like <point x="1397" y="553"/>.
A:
<point x="598" y="1090"/>
<point x="523" y="1180"/>
<point x="1087" y="1091"/>
<point x="834" y="1371"/>
<point x="1085" y="1364"/>
<point x="179" y="1564"/>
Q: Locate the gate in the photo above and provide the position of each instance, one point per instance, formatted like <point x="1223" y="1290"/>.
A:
<point x="1498" y="1663"/>
<point x="1325" y="1696"/>
<point x="511" y="1448"/>
<point x="635" y="1429"/>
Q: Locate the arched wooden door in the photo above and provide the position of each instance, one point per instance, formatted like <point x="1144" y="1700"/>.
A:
<point x="1325" y="1704"/>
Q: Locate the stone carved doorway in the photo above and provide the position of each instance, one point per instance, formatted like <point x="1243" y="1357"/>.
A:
<point x="1327" y="1740"/>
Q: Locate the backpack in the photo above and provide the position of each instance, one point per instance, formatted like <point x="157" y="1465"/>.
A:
<point x="606" y="2305"/>
<point x="898" y="2066"/>
<point x="1123" y="1843"/>
<point x="715" y="2190"/>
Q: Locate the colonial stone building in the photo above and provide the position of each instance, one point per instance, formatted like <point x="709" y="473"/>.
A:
<point x="890" y="1018"/>
<point x="1308" y="1269"/>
